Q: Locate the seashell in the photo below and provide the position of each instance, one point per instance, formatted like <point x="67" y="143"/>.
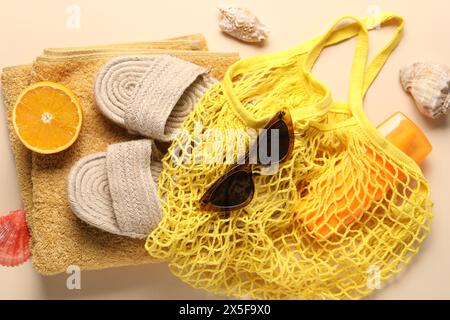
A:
<point x="14" y="239"/>
<point x="429" y="85"/>
<point x="241" y="23"/>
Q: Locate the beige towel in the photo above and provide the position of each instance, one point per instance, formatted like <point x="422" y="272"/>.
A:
<point x="59" y="238"/>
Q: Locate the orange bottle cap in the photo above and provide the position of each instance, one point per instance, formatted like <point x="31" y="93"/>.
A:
<point x="406" y="136"/>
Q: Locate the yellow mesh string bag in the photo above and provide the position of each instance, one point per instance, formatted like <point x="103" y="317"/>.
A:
<point x="347" y="206"/>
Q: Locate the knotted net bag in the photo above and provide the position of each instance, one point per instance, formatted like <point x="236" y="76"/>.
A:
<point x="266" y="250"/>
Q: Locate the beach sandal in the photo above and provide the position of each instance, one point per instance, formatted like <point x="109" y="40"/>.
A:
<point x="150" y="95"/>
<point x="116" y="190"/>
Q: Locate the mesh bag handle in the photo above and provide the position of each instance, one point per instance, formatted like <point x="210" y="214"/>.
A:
<point x="362" y="77"/>
<point x="337" y="34"/>
<point x="360" y="74"/>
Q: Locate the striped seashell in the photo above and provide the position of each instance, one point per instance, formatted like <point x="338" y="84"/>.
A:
<point x="429" y="85"/>
<point x="14" y="239"/>
<point x="241" y="23"/>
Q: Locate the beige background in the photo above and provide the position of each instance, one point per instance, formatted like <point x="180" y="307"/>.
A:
<point x="26" y="27"/>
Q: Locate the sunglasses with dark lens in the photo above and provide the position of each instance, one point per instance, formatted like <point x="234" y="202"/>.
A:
<point x="235" y="189"/>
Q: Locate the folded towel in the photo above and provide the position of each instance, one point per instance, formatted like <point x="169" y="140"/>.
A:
<point x="194" y="42"/>
<point x="59" y="238"/>
<point x="190" y="42"/>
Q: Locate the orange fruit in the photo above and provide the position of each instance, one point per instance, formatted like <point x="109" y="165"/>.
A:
<point x="47" y="117"/>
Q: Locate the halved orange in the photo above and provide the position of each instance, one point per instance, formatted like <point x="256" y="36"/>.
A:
<point x="47" y="117"/>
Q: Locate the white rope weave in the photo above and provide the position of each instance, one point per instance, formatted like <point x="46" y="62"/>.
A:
<point x="150" y="95"/>
<point x="116" y="191"/>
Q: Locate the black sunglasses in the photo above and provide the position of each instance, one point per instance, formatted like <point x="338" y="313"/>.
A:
<point x="235" y="189"/>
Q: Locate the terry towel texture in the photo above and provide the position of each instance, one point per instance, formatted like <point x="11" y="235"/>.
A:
<point x="58" y="237"/>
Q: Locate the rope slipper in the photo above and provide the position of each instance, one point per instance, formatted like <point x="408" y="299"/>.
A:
<point x="150" y="95"/>
<point x="116" y="190"/>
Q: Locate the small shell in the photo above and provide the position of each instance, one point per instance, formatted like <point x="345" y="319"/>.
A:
<point x="14" y="239"/>
<point x="241" y="23"/>
<point x="429" y="85"/>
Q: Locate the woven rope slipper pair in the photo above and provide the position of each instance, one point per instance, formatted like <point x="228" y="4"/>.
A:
<point x="116" y="190"/>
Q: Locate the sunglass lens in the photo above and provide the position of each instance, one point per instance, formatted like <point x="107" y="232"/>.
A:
<point x="233" y="191"/>
<point x="265" y="143"/>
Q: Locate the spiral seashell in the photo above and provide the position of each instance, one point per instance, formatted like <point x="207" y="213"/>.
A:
<point x="241" y="23"/>
<point x="14" y="239"/>
<point x="429" y="85"/>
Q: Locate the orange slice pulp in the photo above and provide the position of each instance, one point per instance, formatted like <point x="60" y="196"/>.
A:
<point x="47" y="117"/>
